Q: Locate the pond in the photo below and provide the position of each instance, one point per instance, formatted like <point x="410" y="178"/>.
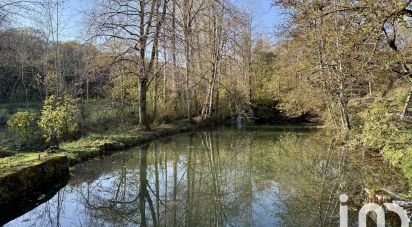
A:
<point x="254" y="176"/>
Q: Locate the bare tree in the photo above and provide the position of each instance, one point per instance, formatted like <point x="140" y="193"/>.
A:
<point x="10" y="8"/>
<point x="190" y="12"/>
<point x="138" y="24"/>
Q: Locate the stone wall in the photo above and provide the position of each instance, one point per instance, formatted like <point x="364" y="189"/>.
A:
<point x="30" y="182"/>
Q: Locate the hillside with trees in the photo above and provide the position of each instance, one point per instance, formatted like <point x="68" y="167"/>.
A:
<point x="344" y="65"/>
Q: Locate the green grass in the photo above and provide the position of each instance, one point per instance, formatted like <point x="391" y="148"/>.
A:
<point x="87" y="144"/>
<point x="93" y="145"/>
<point x="19" y="161"/>
<point x="96" y="144"/>
<point x="10" y="108"/>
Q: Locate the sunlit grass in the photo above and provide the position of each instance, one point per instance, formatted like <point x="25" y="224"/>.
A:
<point x="18" y="161"/>
<point x="92" y="146"/>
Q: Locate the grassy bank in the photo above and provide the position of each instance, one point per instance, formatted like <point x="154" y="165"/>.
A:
<point x="95" y="145"/>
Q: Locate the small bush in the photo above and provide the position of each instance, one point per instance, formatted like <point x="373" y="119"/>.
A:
<point x="25" y="133"/>
<point x="23" y="124"/>
<point x="59" y="121"/>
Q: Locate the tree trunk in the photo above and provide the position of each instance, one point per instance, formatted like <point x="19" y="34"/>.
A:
<point x="249" y="60"/>
<point x="87" y="89"/>
<point x="155" y="97"/>
<point x="344" y="110"/>
<point x="217" y="98"/>
<point x="174" y="58"/>
<point x="156" y="87"/>
<point x="341" y="76"/>
<point x="143" y="122"/>
<point x="370" y="88"/>
<point x="188" y="101"/>
<point x="212" y="90"/>
<point x="187" y="18"/>
<point x="405" y="107"/>
<point x="24" y="85"/>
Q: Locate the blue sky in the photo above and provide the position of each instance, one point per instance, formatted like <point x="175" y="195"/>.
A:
<point x="266" y="18"/>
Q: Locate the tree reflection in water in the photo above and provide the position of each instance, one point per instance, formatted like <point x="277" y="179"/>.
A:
<point x="215" y="178"/>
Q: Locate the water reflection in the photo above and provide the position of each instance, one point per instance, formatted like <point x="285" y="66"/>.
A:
<point x="215" y="178"/>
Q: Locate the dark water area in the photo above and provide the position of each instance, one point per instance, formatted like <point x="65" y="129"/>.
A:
<point x="27" y="203"/>
<point x="254" y="176"/>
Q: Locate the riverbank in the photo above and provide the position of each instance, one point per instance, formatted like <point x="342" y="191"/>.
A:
<point x="95" y="145"/>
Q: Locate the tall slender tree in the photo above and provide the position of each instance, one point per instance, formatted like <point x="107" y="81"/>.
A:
<point x="138" y="24"/>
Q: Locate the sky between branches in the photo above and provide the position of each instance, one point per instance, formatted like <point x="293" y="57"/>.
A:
<point x="266" y="17"/>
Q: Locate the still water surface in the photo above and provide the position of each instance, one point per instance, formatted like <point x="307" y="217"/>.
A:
<point x="256" y="176"/>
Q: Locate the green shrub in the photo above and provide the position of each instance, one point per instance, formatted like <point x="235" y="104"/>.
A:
<point x="23" y="124"/>
<point x="378" y="126"/>
<point x="59" y="121"/>
<point x="24" y="133"/>
<point x="383" y="132"/>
